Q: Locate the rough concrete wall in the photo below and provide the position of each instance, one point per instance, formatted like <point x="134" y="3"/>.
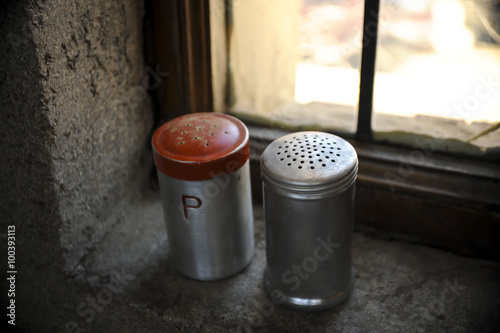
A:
<point x="75" y="123"/>
<point x="92" y="68"/>
<point x="28" y="199"/>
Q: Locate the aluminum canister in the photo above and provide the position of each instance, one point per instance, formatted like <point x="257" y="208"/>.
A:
<point x="308" y="184"/>
<point x="203" y="169"/>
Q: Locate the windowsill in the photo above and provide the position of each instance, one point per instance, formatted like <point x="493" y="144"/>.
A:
<point x="448" y="202"/>
<point x="398" y="287"/>
<point x="449" y="135"/>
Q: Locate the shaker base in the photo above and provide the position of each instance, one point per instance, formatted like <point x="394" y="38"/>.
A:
<point x="210" y="276"/>
<point x="310" y="304"/>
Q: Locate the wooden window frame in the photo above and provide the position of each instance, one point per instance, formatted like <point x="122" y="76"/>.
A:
<point x="181" y="38"/>
<point x="417" y="194"/>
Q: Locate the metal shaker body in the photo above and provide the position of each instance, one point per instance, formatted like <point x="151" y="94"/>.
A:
<point x="205" y="187"/>
<point x="209" y="224"/>
<point x="309" y="184"/>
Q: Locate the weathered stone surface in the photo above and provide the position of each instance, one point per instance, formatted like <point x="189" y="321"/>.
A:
<point x="91" y="64"/>
<point x="399" y="288"/>
<point x="28" y="198"/>
<point x="75" y="124"/>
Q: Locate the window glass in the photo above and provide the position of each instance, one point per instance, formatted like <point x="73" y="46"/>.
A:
<point x="296" y="62"/>
<point x="438" y="73"/>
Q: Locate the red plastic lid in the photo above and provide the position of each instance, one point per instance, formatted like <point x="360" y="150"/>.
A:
<point x="199" y="146"/>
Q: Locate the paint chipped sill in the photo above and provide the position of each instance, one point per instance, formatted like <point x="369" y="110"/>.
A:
<point x="477" y="139"/>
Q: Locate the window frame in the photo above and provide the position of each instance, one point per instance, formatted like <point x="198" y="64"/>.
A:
<point x="181" y="37"/>
<point x="445" y="201"/>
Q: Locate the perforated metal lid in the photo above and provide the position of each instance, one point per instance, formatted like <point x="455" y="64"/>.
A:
<point x="310" y="162"/>
<point x="200" y="145"/>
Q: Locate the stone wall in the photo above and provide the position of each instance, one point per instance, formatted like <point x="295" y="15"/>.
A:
<point x="75" y="124"/>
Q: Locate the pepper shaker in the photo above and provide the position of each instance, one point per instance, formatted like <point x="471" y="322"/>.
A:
<point x="203" y="170"/>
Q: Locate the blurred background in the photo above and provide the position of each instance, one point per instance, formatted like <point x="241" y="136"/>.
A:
<point x="437" y="66"/>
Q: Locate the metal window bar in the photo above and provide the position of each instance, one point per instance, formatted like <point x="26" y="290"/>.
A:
<point x="367" y="72"/>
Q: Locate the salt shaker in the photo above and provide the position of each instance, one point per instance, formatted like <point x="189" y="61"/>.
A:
<point x="308" y="187"/>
